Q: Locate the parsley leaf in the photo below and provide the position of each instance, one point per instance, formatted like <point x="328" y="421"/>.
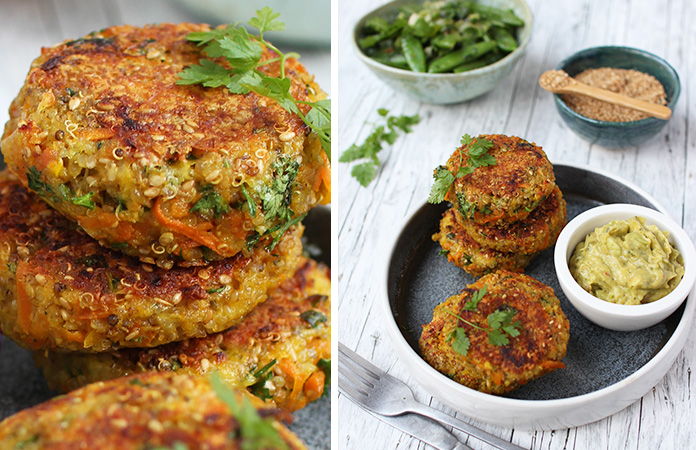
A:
<point x="243" y="52"/>
<point x="500" y="325"/>
<point x="277" y="197"/>
<point x="84" y="200"/>
<point x="366" y="171"/>
<point x="443" y="180"/>
<point x="255" y="431"/>
<point x="261" y="376"/>
<point x="325" y="366"/>
<point x="460" y="341"/>
<point x="313" y="317"/>
<point x="472" y="304"/>
<point x="478" y="157"/>
<point x="210" y="203"/>
<point x="35" y="184"/>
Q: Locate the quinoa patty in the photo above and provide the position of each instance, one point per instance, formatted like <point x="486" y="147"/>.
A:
<point x="147" y="411"/>
<point x="465" y="252"/>
<point x="537" y="232"/>
<point x="507" y="191"/>
<point x="59" y="289"/>
<point x="274" y="352"/>
<point x="181" y="174"/>
<point x="536" y="351"/>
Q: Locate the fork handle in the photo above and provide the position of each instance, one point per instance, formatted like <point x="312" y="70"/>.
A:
<point x="469" y="429"/>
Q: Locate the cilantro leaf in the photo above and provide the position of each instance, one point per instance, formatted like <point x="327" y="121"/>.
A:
<point x="388" y="133"/>
<point x="443" y="181"/>
<point x="460" y="341"/>
<point x="35" y="183"/>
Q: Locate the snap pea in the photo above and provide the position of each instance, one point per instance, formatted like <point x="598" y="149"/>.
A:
<point x="486" y="60"/>
<point x="413" y="51"/>
<point x="451" y="60"/>
<point x="504" y="39"/>
<point x="505" y="16"/>
<point x="439" y="36"/>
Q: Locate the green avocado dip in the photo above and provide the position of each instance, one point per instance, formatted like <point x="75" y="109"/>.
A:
<point x="627" y="262"/>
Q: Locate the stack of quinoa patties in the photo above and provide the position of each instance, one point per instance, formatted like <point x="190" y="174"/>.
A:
<point x="153" y="226"/>
<point x="504" y="214"/>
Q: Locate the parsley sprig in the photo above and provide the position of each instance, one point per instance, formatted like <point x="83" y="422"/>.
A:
<point x="243" y="52"/>
<point x="478" y="157"/>
<point x="256" y="432"/>
<point x="500" y="325"/>
<point x="366" y="171"/>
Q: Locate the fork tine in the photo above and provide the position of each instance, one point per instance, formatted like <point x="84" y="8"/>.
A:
<point x="359" y="363"/>
<point x="344" y="386"/>
<point x="355" y="379"/>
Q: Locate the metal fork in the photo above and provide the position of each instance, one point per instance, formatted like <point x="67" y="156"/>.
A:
<point x="384" y="394"/>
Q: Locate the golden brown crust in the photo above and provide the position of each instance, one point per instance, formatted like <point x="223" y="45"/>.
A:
<point x="537" y="350"/>
<point x="507" y="191"/>
<point x="282" y="329"/>
<point x="537" y="232"/>
<point x="59" y="289"/>
<point x="465" y="252"/>
<point x="103" y="117"/>
<point x="153" y="410"/>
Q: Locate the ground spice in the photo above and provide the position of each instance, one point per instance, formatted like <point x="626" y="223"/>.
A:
<point x="629" y="82"/>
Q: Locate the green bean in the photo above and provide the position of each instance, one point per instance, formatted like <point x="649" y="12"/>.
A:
<point x="457" y="58"/>
<point x="397" y="60"/>
<point x="504" y="38"/>
<point x="413" y="51"/>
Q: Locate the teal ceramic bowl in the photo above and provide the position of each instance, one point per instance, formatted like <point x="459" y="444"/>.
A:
<point x="448" y="87"/>
<point x="618" y="134"/>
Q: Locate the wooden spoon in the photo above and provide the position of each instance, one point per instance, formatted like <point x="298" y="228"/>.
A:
<point x="559" y="82"/>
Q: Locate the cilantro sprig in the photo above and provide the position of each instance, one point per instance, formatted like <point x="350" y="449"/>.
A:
<point x="243" y="52"/>
<point x="500" y="325"/>
<point x="388" y="132"/>
<point x="478" y="157"/>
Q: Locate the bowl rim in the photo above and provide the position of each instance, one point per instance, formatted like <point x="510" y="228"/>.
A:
<point x="409" y="73"/>
<point x="417" y="365"/>
<point x="625" y="49"/>
<point x="569" y="238"/>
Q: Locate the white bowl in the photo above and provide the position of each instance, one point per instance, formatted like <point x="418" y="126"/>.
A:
<point x="611" y="315"/>
<point x="447" y="88"/>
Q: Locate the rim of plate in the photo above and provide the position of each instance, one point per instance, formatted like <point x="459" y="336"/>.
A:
<point x="533" y="405"/>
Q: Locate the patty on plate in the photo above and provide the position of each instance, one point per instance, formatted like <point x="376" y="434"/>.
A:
<point x="165" y="172"/>
<point x="537" y="349"/>
<point x="535" y="233"/>
<point x="275" y="352"/>
<point x="508" y="191"/>
<point x="61" y="290"/>
<point x="464" y="251"/>
<point x="149" y="411"/>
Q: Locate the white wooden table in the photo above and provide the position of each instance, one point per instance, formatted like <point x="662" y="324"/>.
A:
<point x="26" y="26"/>
<point x="368" y="217"/>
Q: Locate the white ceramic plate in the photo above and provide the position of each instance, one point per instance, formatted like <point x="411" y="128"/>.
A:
<point x="605" y="370"/>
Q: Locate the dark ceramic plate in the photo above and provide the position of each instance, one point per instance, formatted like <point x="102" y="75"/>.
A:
<point x="22" y="385"/>
<point x="419" y="278"/>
